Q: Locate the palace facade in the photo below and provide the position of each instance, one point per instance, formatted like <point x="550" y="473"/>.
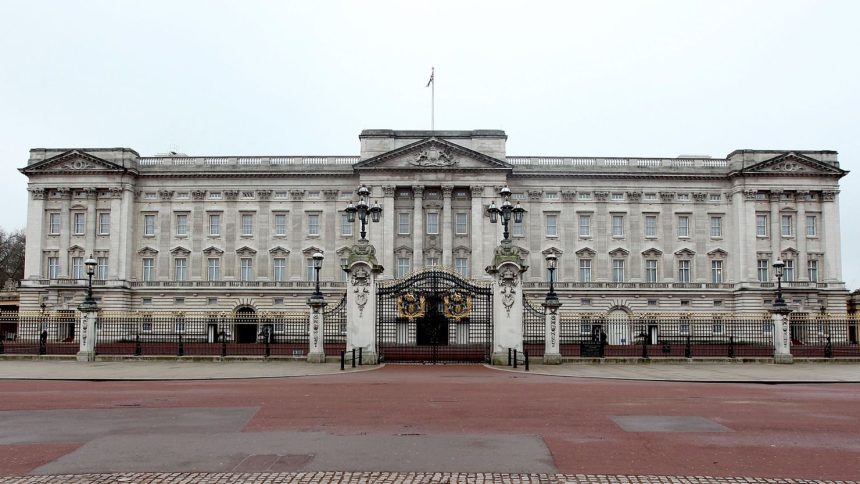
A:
<point x="222" y="233"/>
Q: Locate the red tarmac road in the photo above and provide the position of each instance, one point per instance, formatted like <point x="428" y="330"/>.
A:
<point x="788" y="431"/>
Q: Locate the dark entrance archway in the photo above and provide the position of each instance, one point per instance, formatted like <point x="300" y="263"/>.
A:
<point x="434" y="316"/>
<point x="245" y="326"/>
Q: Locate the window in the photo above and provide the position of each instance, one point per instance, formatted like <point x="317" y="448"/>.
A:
<point x="651" y="270"/>
<point x="213" y="268"/>
<point x="716" y="227"/>
<point x="683" y="226"/>
<point x="787" y="225"/>
<point x="716" y="271"/>
<point x="215" y="224"/>
<point x="461" y="265"/>
<point x="616" y="197"/>
<point x="214" y="195"/>
<point x="617" y="270"/>
<point x="617" y="225"/>
<point x="344" y="277"/>
<point x="811" y="226"/>
<point x="212" y="301"/>
<point x="149" y="224"/>
<point x="461" y="223"/>
<point x="313" y="224"/>
<point x="345" y="225"/>
<point x="585" y="302"/>
<point x="583" y="195"/>
<point x="551" y="195"/>
<point x="812" y="270"/>
<point x="180" y="269"/>
<point x="146" y="301"/>
<point x="684" y="325"/>
<point x="148" y="268"/>
<point x="714" y="197"/>
<point x="104" y="223"/>
<point x="182" y="224"/>
<point x="585" y="225"/>
<point x="77" y="267"/>
<point x="650" y="196"/>
<point x="246" y="269"/>
<point x="102" y="269"/>
<point x="403" y="224"/>
<point x="519" y="229"/>
<point x="247" y="220"/>
<point x="279" y="269"/>
<point x="650" y="226"/>
<point x="280" y="224"/>
<point x="551" y="225"/>
<point x="402" y="266"/>
<point x="432" y="223"/>
<point x="761" y="225"/>
<point x="53" y="267"/>
<point x="652" y="303"/>
<point x="584" y="270"/>
<point x="685" y="302"/>
<point x="683" y="271"/>
<point x="763" y="268"/>
<point x="54" y="223"/>
<point x="788" y="271"/>
<point x="80" y="223"/>
<point x="432" y="261"/>
<point x="310" y="272"/>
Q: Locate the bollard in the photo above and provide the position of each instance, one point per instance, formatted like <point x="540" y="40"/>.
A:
<point x="359" y="357"/>
<point x="181" y="347"/>
<point x="509" y="357"/>
<point x="353" y="357"/>
<point x="526" y="357"/>
<point x="515" y="357"/>
<point x="731" y="346"/>
<point x="137" y="349"/>
<point x="342" y="356"/>
<point x="2" y="349"/>
<point x="688" y="348"/>
<point x="43" y="342"/>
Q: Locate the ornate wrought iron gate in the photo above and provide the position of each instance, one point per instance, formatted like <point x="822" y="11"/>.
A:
<point x="434" y="316"/>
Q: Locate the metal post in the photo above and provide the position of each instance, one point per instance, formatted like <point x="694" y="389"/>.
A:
<point x="828" y="348"/>
<point x="181" y="347"/>
<point x="43" y="342"/>
<point x="526" y="356"/>
<point x="688" y="348"/>
<point x="353" y="357"/>
<point x="509" y="357"/>
<point x="515" y="357"/>
<point x="731" y="346"/>
<point x="137" y="349"/>
<point x="359" y="357"/>
<point x="342" y="356"/>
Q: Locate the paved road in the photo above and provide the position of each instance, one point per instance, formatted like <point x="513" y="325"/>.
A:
<point x="468" y="419"/>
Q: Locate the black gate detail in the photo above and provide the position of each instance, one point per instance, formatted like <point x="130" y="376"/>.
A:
<point x="334" y="328"/>
<point x="534" y="328"/>
<point x="434" y="316"/>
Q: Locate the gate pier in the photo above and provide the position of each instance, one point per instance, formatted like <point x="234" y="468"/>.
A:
<point x="362" y="270"/>
<point x="507" y="268"/>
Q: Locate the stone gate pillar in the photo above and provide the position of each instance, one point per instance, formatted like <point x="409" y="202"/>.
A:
<point x="316" y="336"/>
<point x="551" y="352"/>
<point x="361" y="300"/>
<point x="89" y="317"/>
<point x="507" y="268"/>
<point x="781" y="335"/>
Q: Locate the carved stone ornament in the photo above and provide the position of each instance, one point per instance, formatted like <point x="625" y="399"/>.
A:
<point x="388" y="190"/>
<point x="165" y="194"/>
<point x="447" y="190"/>
<point x="788" y="166"/>
<point x="418" y="191"/>
<point x="315" y="317"/>
<point x="361" y="287"/>
<point x="667" y="196"/>
<point x="477" y="191"/>
<point x="231" y="194"/>
<point x="264" y="194"/>
<point x="568" y="195"/>
<point x="37" y="193"/>
<point x="552" y="331"/>
<point x="828" y="196"/>
<point x="435" y="157"/>
<point x="330" y="194"/>
<point x="457" y="306"/>
<point x="634" y="196"/>
<point x="411" y="306"/>
<point x="535" y="194"/>
<point x="297" y="194"/>
<point x="78" y="164"/>
<point x="749" y="194"/>
<point x="601" y="196"/>
<point x="198" y="194"/>
<point x="508" y="252"/>
<point x="115" y="192"/>
<point x="508" y="288"/>
<point x="699" y="196"/>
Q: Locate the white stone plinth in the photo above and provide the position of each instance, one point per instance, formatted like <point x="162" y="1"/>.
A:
<point x="781" y="337"/>
<point x="551" y="352"/>
<point x="316" y="336"/>
<point x="87" y="349"/>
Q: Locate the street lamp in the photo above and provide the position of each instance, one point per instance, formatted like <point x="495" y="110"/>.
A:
<point x="551" y="264"/>
<point x="91" y="269"/>
<point x="778" y="268"/>
<point x="505" y="211"/>
<point x="318" y="260"/>
<point x="363" y="209"/>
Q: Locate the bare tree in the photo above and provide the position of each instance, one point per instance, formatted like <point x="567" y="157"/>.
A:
<point x="12" y="246"/>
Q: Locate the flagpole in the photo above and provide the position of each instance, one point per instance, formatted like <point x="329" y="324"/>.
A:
<point x="433" y="99"/>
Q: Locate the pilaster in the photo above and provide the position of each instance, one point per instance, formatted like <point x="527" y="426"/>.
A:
<point x="477" y="229"/>
<point x="418" y="227"/>
<point x="389" y="227"/>
<point x="447" y="228"/>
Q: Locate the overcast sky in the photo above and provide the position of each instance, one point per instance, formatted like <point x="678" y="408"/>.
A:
<point x="561" y="78"/>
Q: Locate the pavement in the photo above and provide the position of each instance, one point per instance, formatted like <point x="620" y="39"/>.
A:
<point x="716" y="372"/>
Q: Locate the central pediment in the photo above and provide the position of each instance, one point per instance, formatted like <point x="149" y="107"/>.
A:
<point x="433" y="154"/>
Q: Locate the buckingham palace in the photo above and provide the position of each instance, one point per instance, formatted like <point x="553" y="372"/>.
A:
<point x="179" y="232"/>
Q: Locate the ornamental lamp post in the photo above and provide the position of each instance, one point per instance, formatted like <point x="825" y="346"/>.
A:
<point x="318" y="261"/>
<point x="362" y="209"/>
<point x="551" y="297"/>
<point x="506" y="211"/>
<point x="778" y="268"/>
<point x="90" y="264"/>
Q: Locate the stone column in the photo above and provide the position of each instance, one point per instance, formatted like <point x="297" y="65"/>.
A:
<point x="35" y="226"/>
<point x="316" y="336"/>
<point x="506" y="269"/>
<point x="389" y="227"/>
<point x="65" y="231"/>
<point x="829" y="229"/>
<point x="418" y="227"/>
<point x="87" y="334"/>
<point x="477" y="230"/>
<point x="363" y="272"/>
<point x="447" y="228"/>
<point x="91" y="220"/>
<point x="551" y="352"/>
<point x="781" y="336"/>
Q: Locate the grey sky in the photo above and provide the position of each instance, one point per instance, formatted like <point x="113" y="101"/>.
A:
<point x="562" y="78"/>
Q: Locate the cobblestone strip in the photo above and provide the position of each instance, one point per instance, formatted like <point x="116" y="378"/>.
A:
<point x="388" y="478"/>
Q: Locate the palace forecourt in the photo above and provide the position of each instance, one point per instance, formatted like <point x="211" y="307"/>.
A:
<point x="216" y="254"/>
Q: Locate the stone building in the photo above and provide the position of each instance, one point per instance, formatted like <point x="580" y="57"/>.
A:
<point x="224" y="233"/>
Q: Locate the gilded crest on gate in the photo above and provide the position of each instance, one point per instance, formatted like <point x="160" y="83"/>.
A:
<point x="457" y="306"/>
<point x="411" y="306"/>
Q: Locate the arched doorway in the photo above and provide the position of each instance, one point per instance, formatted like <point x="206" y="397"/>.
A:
<point x="618" y="327"/>
<point x="245" y="327"/>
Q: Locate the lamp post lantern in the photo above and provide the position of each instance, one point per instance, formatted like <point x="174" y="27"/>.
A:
<point x="551" y="265"/>
<point x="505" y="212"/>
<point x="778" y="269"/>
<point x="362" y="209"/>
<point x="90" y="263"/>
<point x="318" y="260"/>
